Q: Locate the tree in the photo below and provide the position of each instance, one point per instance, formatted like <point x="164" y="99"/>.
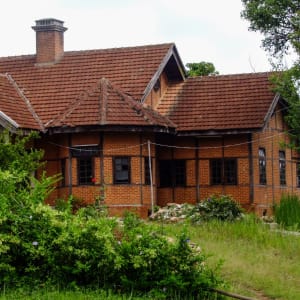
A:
<point x="18" y="162"/>
<point x="201" y="69"/>
<point x="278" y="21"/>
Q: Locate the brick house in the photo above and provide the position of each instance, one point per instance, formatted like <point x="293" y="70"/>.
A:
<point x="127" y="125"/>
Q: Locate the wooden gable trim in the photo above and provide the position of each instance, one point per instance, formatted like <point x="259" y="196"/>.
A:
<point x="171" y="53"/>
<point x="8" y="123"/>
<point x="271" y="111"/>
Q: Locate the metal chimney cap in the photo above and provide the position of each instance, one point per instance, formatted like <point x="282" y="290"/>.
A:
<point x="49" y="24"/>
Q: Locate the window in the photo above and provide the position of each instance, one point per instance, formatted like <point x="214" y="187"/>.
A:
<point x="230" y="171"/>
<point x="121" y="170"/>
<point x="85" y="162"/>
<point x="85" y="170"/>
<point x="172" y="173"/>
<point x="262" y="166"/>
<point x="147" y="171"/>
<point x="223" y="171"/>
<point x="282" y="168"/>
<point x="180" y="174"/>
<point x="216" y="171"/>
<point x="298" y="173"/>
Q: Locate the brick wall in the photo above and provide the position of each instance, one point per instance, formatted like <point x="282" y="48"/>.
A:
<point x="196" y="152"/>
<point x="50" y="46"/>
<point x="118" y="197"/>
<point x="248" y="191"/>
<point x="272" y="139"/>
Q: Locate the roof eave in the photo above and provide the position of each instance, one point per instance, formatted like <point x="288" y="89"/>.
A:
<point x="271" y="110"/>
<point x="213" y="132"/>
<point x="8" y="123"/>
<point x="110" y="128"/>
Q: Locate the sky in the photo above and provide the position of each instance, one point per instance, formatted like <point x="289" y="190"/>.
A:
<point x="203" y="30"/>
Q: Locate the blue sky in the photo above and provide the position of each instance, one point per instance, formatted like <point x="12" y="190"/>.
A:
<point x="203" y="30"/>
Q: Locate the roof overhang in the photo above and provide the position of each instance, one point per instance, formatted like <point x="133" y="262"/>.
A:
<point x="215" y="133"/>
<point x="110" y="128"/>
<point x="271" y="110"/>
<point x="8" y="123"/>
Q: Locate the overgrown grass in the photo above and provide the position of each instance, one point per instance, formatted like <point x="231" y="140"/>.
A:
<point x="52" y="293"/>
<point x="287" y="212"/>
<point x="256" y="261"/>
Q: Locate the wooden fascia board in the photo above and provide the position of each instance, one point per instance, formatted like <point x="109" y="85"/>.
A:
<point x="271" y="110"/>
<point x="172" y="52"/>
<point x="179" y="63"/>
<point x="110" y="128"/>
<point x="8" y="123"/>
<point x="208" y="133"/>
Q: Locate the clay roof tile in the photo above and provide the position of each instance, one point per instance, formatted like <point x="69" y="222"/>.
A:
<point x="219" y="102"/>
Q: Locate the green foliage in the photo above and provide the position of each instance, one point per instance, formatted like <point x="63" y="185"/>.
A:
<point x="278" y="21"/>
<point x="151" y="263"/>
<point x="76" y="246"/>
<point x="287" y="84"/>
<point x="257" y="262"/>
<point x="201" y="69"/>
<point x="17" y="156"/>
<point x="18" y="162"/>
<point x="221" y="207"/>
<point x="287" y="212"/>
<point x="43" y="245"/>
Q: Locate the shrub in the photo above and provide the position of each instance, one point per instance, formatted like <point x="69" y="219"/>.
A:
<point x="39" y="244"/>
<point x="287" y="212"/>
<point x="43" y="245"/>
<point x="151" y="263"/>
<point x="222" y="207"/>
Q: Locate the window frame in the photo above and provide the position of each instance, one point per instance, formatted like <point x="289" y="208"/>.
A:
<point x="172" y="173"/>
<point x="282" y="167"/>
<point x="220" y="171"/>
<point x="262" y="165"/>
<point x="85" y="153"/>
<point x="85" y="170"/>
<point x="298" y="174"/>
<point x="123" y="168"/>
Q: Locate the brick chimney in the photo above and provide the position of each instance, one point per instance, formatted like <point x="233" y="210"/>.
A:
<point x="49" y="40"/>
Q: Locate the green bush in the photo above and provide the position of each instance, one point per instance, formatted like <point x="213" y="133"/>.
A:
<point x="287" y="212"/>
<point x="47" y="246"/>
<point x="151" y="263"/>
<point x="40" y="245"/>
<point x="222" y="207"/>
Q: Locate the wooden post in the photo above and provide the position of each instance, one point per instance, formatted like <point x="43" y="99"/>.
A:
<point x="150" y="173"/>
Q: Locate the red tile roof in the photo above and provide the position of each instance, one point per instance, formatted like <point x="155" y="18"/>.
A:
<point x="104" y="104"/>
<point x="212" y="103"/>
<point x="53" y="89"/>
<point x="15" y="106"/>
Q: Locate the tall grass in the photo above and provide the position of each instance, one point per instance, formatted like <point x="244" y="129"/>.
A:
<point x="287" y="212"/>
<point x="50" y="294"/>
<point x="257" y="262"/>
